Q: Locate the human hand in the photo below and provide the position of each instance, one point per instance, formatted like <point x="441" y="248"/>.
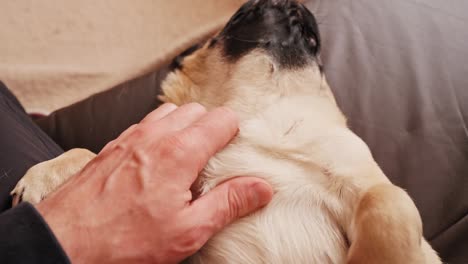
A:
<point x="132" y="203"/>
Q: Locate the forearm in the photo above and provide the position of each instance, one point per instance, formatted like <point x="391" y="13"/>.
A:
<point x="26" y="238"/>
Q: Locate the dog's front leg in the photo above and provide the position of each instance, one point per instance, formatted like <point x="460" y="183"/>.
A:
<point x="387" y="228"/>
<point x="45" y="177"/>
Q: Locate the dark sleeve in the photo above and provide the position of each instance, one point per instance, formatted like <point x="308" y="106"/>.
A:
<point x="22" y="145"/>
<point x="26" y="238"/>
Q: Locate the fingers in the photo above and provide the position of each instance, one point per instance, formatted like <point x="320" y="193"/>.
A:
<point x="169" y="120"/>
<point x="209" y="135"/>
<point x="181" y="140"/>
<point x="151" y="133"/>
<point x="227" y="202"/>
<point x="165" y="120"/>
<point x="179" y="119"/>
<point x="159" y="113"/>
<point x="191" y="148"/>
<point x="154" y="116"/>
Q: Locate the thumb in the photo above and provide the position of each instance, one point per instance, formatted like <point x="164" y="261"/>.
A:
<point x="228" y="201"/>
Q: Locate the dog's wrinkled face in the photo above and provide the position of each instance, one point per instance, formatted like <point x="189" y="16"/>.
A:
<point x="285" y="30"/>
<point x="269" y="49"/>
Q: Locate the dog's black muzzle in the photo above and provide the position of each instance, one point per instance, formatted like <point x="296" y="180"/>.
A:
<point x="285" y="29"/>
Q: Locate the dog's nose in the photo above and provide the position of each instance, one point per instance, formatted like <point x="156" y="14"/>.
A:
<point x="284" y="28"/>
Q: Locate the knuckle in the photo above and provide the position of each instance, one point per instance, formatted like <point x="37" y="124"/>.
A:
<point x="119" y="147"/>
<point x="194" y="241"/>
<point x="133" y="133"/>
<point x="173" y="147"/>
<point x="132" y="127"/>
<point x="201" y="132"/>
<point x="138" y="131"/>
<point x="189" y="241"/>
<point x="200" y="147"/>
<point x="127" y="144"/>
<point x="110" y="146"/>
<point x="236" y="201"/>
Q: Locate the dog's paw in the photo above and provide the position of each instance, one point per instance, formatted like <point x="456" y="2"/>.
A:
<point x="29" y="190"/>
<point x="45" y="177"/>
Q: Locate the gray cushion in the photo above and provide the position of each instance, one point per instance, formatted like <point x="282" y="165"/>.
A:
<point x="399" y="71"/>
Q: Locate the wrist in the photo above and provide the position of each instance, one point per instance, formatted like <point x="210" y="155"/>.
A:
<point x="72" y="236"/>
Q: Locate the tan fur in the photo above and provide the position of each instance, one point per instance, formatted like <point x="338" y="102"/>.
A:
<point x="332" y="203"/>
<point x="376" y="218"/>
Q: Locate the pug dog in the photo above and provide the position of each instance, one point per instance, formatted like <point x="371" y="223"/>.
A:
<point x="332" y="202"/>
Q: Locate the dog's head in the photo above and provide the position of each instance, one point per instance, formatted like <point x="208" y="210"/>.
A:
<point x="269" y="49"/>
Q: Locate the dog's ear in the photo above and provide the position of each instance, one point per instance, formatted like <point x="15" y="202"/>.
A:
<point x="177" y="63"/>
<point x="199" y="75"/>
<point x="179" y="89"/>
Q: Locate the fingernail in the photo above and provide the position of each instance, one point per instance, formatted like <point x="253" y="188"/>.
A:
<point x="261" y="194"/>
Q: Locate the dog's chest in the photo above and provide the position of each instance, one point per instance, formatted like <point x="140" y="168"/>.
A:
<point x="306" y="216"/>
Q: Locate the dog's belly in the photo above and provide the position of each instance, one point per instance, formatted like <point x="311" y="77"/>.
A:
<point x="306" y="219"/>
<point x="294" y="228"/>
